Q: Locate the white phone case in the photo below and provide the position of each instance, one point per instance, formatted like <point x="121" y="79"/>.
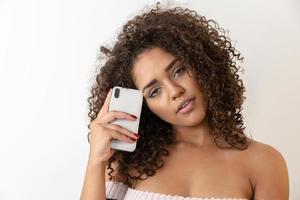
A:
<point x="129" y="101"/>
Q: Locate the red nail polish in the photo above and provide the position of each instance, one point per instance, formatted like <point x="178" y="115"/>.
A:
<point x="137" y="135"/>
<point x="133" y="116"/>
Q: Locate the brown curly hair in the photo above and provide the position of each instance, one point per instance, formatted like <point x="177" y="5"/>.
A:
<point x="204" y="46"/>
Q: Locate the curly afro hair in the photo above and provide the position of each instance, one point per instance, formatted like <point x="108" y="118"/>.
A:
<point x="204" y="46"/>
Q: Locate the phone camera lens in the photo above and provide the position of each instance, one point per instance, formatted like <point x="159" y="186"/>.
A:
<point x="117" y="93"/>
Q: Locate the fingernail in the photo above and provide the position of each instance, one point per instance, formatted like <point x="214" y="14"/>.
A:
<point x="133" y="139"/>
<point x="133" y="116"/>
<point x="137" y="135"/>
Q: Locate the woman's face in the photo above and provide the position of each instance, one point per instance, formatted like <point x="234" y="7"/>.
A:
<point x="171" y="88"/>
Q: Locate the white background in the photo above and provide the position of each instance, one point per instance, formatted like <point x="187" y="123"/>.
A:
<point x="48" y="51"/>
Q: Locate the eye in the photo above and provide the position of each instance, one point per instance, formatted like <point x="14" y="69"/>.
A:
<point x="180" y="70"/>
<point x="152" y="92"/>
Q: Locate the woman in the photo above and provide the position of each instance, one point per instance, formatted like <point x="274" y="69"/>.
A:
<point x="177" y="58"/>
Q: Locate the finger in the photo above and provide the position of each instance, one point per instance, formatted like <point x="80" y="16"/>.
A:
<point x="119" y="136"/>
<point x="122" y="130"/>
<point x="105" y="106"/>
<point x="113" y="115"/>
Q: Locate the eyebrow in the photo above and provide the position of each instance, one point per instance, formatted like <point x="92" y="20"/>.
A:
<point x="169" y="66"/>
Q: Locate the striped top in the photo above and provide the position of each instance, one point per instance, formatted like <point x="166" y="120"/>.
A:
<point x="120" y="191"/>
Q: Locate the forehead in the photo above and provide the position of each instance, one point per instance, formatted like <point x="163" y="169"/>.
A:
<point x="149" y="65"/>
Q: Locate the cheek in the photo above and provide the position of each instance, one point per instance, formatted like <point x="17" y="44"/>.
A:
<point x="165" y="113"/>
<point x="159" y="108"/>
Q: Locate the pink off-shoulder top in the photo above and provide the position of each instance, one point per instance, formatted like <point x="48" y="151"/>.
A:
<point x="120" y="191"/>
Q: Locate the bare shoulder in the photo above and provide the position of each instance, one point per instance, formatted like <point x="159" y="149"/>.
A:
<point x="263" y="152"/>
<point x="268" y="171"/>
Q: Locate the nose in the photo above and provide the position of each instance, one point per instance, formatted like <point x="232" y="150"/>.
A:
<point x="175" y="90"/>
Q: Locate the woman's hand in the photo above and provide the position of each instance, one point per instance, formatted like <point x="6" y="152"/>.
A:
<point x="101" y="133"/>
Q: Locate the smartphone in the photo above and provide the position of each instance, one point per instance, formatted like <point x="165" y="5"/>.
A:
<point x="130" y="101"/>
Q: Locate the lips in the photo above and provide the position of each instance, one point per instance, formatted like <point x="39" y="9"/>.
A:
<point x="184" y="103"/>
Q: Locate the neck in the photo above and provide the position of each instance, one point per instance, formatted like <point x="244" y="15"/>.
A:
<point x="195" y="136"/>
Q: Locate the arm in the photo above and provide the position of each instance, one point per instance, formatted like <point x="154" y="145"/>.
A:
<point x="270" y="175"/>
<point x="94" y="182"/>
